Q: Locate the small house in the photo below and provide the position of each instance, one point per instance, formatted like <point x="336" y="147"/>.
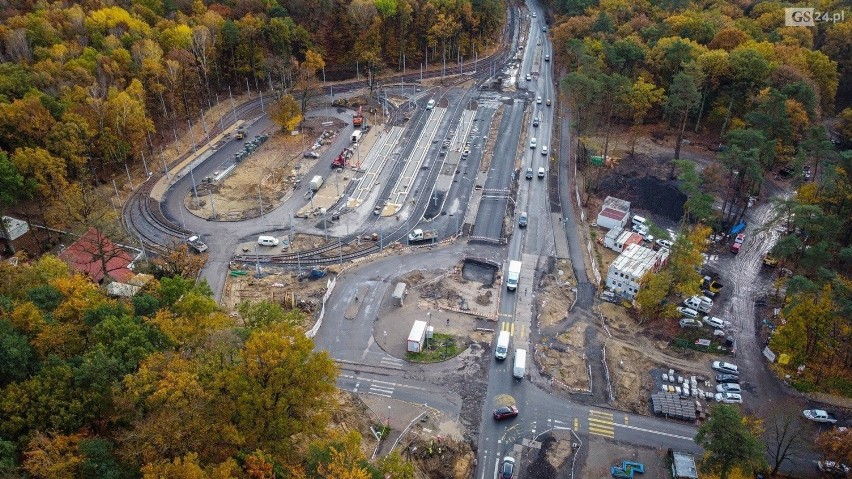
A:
<point x="615" y="213"/>
<point x="622" y="240"/>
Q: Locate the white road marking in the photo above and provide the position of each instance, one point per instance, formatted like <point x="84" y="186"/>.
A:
<point x="661" y="433"/>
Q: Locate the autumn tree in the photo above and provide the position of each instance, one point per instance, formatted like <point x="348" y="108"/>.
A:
<point x="728" y="443"/>
<point x="836" y="445"/>
<point x="178" y="260"/>
<point x="683" y="97"/>
<point x="13" y="188"/>
<point x="286" y="113"/>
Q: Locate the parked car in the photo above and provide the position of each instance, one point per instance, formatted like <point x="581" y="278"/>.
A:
<point x="735" y="248"/>
<point x="729" y="388"/>
<point x="806" y="172"/>
<point x="700" y="303"/>
<point x="507" y="469"/>
<point x="689" y="323"/>
<point x="727" y="378"/>
<point x="311" y="154"/>
<point x="663" y="243"/>
<point x="740" y="238"/>
<point x="688" y="312"/>
<point x="729" y="398"/>
<point x="505" y="412"/>
<point x="726" y="368"/>
<point x="715" y="322"/>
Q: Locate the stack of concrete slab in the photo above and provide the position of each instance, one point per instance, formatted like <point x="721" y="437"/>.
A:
<point x="673" y="406"/>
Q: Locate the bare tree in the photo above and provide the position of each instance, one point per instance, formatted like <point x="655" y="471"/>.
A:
<point x="784" y="436"/>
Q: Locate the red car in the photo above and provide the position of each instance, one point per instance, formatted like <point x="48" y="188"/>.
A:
<point x="735" y="248"/>
<point x="505" y="412"/>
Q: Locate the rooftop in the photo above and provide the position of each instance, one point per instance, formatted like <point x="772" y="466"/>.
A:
<point x="684" y="465"/>
<point x="617" y="204"/>
<point x="613" y="213"/>
<point x="637" y="260"/>
<point x="87" y="254"/>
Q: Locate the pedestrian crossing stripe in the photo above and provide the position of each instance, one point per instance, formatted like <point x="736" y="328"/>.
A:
<point x="602" y="432"/>
<point x="507" y="326"/>
<point x="593" y="412"/>
<point x="601" y="423"/>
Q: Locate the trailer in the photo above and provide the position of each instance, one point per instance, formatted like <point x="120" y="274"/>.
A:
<point x="417" y="337"/>
<point x="399" y="294"/>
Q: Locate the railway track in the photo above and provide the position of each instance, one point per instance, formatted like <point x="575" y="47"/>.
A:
<point x="144" y="218"/>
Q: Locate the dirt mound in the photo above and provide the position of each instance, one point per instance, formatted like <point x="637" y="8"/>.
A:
<point x="441" y="458"/>
<point x="564" y="359"/>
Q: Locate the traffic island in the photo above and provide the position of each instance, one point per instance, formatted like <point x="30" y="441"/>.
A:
<point x="436" y="349"/>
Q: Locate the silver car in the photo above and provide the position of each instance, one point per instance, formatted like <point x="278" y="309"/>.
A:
<point x="729" y="398"/>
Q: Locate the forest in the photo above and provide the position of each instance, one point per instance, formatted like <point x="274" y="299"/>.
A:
<point x="87" y="88"/>
<point x="164" y="385"/>
<point x="768" y="94"/>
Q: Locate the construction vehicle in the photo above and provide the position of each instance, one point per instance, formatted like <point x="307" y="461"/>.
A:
<point x="769" y="260"/>
<point x="195" y="243"/>
<point x="342" y="158"/>
<point x="357" y="119"/>
<point x="712" y="285"/>
<point x="422" y="235"/>
<point x="241" y="133"/>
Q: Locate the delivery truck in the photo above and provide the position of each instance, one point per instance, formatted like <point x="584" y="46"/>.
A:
<point x="316" y="183"/>
<point x="520" y="367"/>
<point x="356" y="136"/>
<point x="419" y="235"/>
<point x="502" y="345"/>
<point x="513" y="275"/>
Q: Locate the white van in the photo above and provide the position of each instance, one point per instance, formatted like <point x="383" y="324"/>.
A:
<point x="520" y="364"/>
<point x="532" y="142"/>
<point x="267" y="241"/>
<point x="502" y="345"/>
<point x="541" y="172"/>
<point x="701" y="303"/>
<point x="640" y="221"/>
<point x="430" y="105"/>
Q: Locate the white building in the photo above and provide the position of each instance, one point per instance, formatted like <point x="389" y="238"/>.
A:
<point x="615" y="213"/>
<point x="628" y="269"/>
<point x="618" y="239"/>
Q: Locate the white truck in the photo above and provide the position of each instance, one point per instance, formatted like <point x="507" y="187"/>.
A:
<point x="356" y="136"/>
<point x="514" y="275"/>
<point x="316" y="183"/>
<point x="195" y="243"/>
<point x="520" y="366"/>
<point x="422" y="235"/>
<point x="502" y="345"/>
<point x="820" y="415"/>
<point x="417" y="337"/>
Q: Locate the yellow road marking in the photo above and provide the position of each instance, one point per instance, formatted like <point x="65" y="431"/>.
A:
<point x="600" y="413"/>
<point x="602" y="432"/>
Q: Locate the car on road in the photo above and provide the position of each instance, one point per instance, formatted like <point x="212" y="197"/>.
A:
<point x="836" y="468"/>
<point x="532" y="143"/>
<point x="523" y="220"/>
<point x="529" y="77"/>
<point x="544" y="29"/>
<point x="819" y="415"/>
<point x="548" y="102"/>
<point x="725" y="368"/>
<point x="536" y="121"/>
<point x="538" y="100"/>
<point x="547" y="58"/>
<point x="529" y="173"/>
<point x="534" y="15"/>
<point x="507" y="469"/>
<point x="729" y="398"/>
<point x="544" y="150"/>
<point x="729" y="388"/>
<point x="727" y="378"/>
<point x="505" y="412"/>
<point x="541" y="172"/>
<point x="688" y="312"/>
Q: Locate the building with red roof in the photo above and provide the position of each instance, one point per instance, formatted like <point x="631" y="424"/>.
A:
<point x="96" y="256"/>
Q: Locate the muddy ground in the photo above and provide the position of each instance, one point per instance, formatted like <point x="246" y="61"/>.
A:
<point x="553" y="459"/>
<point x="271" y="172"/>
<point x="601" y="454"/>
<point x="278" y="286"/>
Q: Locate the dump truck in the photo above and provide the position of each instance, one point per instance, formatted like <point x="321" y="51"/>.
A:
<point x="195" y="243"/>
<point x="357" y="118"/>
<point x="422" y="235"/>
<point x="514" y="275"/>
<point x="711" y="285"/>
<point x="316" y="183"/>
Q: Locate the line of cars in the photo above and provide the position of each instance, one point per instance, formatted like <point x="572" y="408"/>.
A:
<point x="728" y="390"/>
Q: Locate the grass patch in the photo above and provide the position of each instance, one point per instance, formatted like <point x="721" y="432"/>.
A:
<point x="687" y="336"/>
<point x="440" y="348"/>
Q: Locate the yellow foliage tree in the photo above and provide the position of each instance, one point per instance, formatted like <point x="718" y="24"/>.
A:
<point x="286" y="113"/>
<point x="53" y="457"/>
